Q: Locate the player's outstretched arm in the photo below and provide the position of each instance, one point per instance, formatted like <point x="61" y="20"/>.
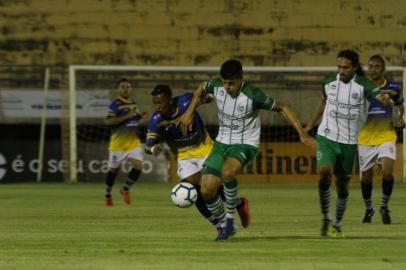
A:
<point x="186" y="120"/>
<point x="290" y="116"/>
<point x="316" y="117"/>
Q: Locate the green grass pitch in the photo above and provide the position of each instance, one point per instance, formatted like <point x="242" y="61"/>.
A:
<point x="62" y="226"/>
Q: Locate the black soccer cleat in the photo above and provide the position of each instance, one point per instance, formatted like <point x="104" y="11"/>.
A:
<point x="369" y="213"/>
<point x="326" y="228"/>
<point x="385" y="215"/>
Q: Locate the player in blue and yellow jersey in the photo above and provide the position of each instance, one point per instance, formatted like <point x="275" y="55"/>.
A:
<point x="377" y="140"/>
<point x="191" y="149"/>
<point x="124" y="118"/>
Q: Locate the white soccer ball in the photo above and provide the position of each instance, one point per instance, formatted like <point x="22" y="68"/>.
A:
<point x="184" y="195"/>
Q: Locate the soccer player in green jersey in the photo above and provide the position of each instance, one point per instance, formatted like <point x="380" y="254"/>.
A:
<point x="238" y="103"/>
<point x="344" y="108"/>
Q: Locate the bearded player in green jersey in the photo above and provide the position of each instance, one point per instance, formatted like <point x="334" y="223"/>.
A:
<point x="344" y="108"/>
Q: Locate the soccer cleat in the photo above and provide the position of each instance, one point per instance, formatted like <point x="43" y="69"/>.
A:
<point x="326" y="229"/>
<point x="368" y="216"/>
<point x="221" y="234"/>
<point x="385" y="215"/>
<point x="108" y="201"/>
<point x="230" y="227"/>
<point x="244" y="213"/>
<point x="337" y="232"/>
<point x="126" y="196"/>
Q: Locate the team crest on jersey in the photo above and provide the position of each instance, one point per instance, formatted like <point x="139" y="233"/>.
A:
<point x="391" y="150"/>
<point x="221" y="92"/>
<point x="333" y="87"/>
<point x="355" y="95"/>
<point x="240" y="107"/>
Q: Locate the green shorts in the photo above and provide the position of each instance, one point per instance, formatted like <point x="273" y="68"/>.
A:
<point x="341" y="156"/>
<point x="244" y="153"/>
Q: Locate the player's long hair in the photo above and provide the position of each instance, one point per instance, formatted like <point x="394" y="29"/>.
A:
<point x="354" y="58"/>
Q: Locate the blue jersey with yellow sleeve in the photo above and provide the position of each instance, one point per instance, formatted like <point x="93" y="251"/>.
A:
<point x="124" y="136"/>
<point x="196" y="144"/>
<point x="378" y="127"/>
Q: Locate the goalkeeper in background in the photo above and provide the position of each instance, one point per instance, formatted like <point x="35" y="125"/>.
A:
<point x="124" y="118"/>
<point x="191" y="149"/>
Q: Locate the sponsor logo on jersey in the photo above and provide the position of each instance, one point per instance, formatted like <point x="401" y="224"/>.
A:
<point x="355" y="95"/>
<point x="336" y="114"/>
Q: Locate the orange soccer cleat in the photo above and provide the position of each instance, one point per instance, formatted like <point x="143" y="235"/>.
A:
<point x="126" y="196"/>
<point x="244" y="212"/>
<point x="108" y="201"/>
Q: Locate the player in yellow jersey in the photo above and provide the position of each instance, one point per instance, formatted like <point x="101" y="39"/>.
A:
<point x="124" y="118"/>
<point x="377" y="140"/>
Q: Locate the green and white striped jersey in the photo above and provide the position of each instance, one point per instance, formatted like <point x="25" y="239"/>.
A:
<point x="346" y="108"/>
<point x="239" y="121"/>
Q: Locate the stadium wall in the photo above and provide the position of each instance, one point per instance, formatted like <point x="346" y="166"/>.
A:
<point x="199" y="32"/>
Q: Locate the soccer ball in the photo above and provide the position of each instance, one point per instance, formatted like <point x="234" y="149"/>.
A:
<point x="184" y="195"/>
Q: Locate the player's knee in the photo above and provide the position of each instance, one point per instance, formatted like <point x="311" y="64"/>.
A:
<point x="114" y="170"/>
<point x="137" y="165"/>
<point x="387" y="174"/>
<point x="207" y="192"/>
<point x="326" y="172"/>
<point x="366" y="181"/>
<point x="228" y="175"/>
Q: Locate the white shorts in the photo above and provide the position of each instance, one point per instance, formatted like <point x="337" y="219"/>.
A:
<point x="116" y="157"/>
<point x="368" y="155"/>
<point x="189" y="166"/>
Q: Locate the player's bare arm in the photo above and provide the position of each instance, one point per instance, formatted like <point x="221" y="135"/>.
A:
<point x="290" y="116"/>
<point x="154" y="149"/>
<point x="142" y="118"/>
<point x="206" y="98"/>
<point x="186" y="120"/>
<point x="401" y="120"/>
<point x="385" y="99"/>
<point x="316" y="117"/>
